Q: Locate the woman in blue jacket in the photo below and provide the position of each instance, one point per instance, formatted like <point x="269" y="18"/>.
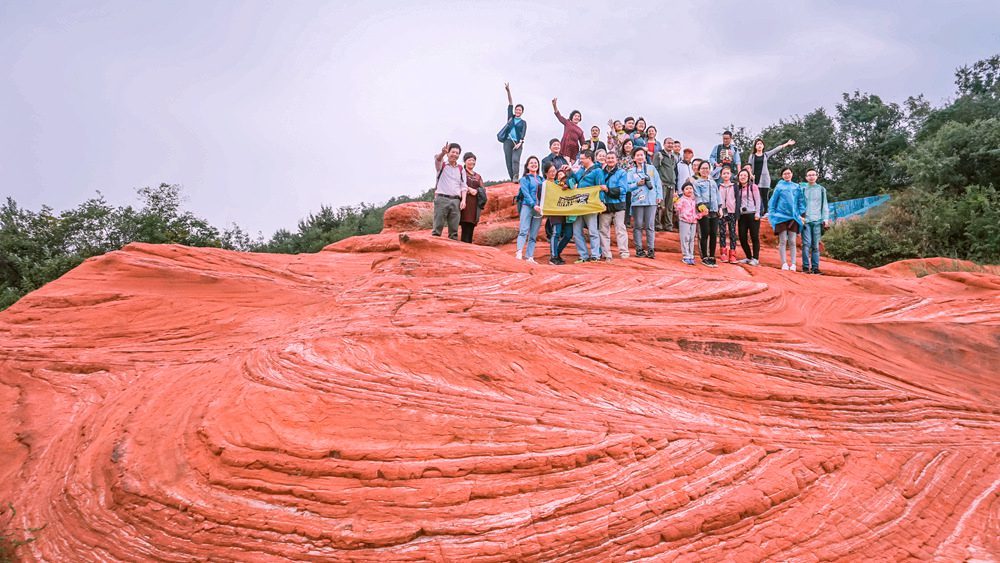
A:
<point x="646" y="195"/>
<point x="706" y="194"/>
<point x="530" y="208"/>
<point x="784" y="211"/>
<point x="512" y="135"/>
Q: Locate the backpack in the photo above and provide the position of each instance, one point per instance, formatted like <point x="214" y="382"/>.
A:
<point x="461" y="174"/>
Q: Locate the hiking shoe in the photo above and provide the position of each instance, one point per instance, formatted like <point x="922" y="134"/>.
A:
<point x="640" y="253"/>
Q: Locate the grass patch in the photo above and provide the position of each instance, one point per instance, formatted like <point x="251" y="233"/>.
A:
<point x="11" y="536"/>
<point x="499" y="236"/>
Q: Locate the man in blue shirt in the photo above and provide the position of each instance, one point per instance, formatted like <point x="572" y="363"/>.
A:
<point x="590" y="174"/>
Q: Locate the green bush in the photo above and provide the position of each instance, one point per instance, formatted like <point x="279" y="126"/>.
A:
<point x="922" y="223"/>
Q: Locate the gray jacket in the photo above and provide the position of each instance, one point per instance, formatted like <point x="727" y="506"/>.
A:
<point x="765" y="174"/>
<point x="666" y="164"/>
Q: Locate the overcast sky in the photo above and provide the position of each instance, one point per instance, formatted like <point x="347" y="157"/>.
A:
<point x="265" y="111"/>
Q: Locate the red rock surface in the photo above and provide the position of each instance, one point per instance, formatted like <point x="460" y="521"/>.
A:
<point x="429" y="400"/>
<point x="407" y="216"/>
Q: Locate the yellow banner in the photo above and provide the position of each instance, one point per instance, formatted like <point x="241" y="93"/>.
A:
<point x="557" y="201"/>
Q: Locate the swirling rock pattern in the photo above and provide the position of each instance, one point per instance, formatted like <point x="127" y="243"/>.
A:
<point x="403" y="398"/>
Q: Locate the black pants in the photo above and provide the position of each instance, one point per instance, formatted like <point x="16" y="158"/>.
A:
<point x="708" y="230"/>
<point x="751" y="226"/>
<point x="763" y="200"/>
<point x="467" y="229"/>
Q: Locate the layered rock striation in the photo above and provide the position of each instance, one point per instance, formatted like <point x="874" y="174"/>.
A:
<point x="405" y="398"/>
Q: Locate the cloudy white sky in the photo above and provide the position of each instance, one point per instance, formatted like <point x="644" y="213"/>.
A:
<point x="265" y="111"/>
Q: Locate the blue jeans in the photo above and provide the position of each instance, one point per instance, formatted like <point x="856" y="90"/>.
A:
<point x="561" y="235"/>
<point x="528" y="231"/>
<point x="811" y="234"/>
<point x="589" y="221"/>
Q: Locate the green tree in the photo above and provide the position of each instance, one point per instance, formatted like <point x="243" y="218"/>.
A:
<point x="872" y="137"/>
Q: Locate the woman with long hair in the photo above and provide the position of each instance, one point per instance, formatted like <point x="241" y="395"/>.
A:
<point x="748" y="225"/>
<point x="758" y="162"/>
<point x="530" y="207"/>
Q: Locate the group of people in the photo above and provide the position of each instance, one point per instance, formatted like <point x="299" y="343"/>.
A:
<point x="645" y="184"/>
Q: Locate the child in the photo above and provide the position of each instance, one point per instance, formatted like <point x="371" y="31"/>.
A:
<point x="784" y="211"/>
<point x="687" y="216"/>
<point x="562" y="227"/>
<point x="817" y="217"/>
<point x="727" y="221"/>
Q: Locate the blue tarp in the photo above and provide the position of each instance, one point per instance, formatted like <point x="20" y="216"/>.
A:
<point x="855" y="207"/>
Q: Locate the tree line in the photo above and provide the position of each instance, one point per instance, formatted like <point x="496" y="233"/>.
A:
<point x="939" y="163"/>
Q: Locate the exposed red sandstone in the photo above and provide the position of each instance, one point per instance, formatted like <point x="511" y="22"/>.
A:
<point x="404" y="398"/>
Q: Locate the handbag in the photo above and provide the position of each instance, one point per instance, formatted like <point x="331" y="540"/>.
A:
<point x="505" y="131"/>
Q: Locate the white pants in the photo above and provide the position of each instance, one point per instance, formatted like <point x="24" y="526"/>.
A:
<point x="604" y="225"/>
<point x="687" y="238"/>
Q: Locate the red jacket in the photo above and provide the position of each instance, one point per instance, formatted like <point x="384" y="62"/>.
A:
<point x="571" y="139"/>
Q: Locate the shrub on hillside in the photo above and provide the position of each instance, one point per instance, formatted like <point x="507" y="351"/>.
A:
<point x="922" y="223"/>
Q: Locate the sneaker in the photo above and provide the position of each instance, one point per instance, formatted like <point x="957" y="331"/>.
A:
<point x="594" y="259"/>
<point x="784" y="266"/>
<point x="712" y="264"/>
<point x="817" y="272"/>
<point x="744" y="261"/>
<point x="732" y="256"/>
<point x="640" y="253"/>
<point x="623" y="256"/>
<point x="518" y="256"/>
<point x="609" y="259"/>
<point x="560" y="261"/>
<point x="791" y="267"/>
<point x="651" y="254"/>
<point x="553" y="260"/>
<point x="581" y="261"/>
<point x="754" y="262"/>
<point x="531" y="260"/>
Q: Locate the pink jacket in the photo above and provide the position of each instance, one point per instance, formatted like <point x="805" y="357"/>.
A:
<point x="727" y="194"/>
<point x="687" y="209"/>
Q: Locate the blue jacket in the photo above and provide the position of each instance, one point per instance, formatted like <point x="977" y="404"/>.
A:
<point x="787" y="203"/>
<point x="652" y="190"/>
<point x="593" y="176"/>
<point x="707" y="191"/>
<point x="618" y="185"/>
<point x="817" y="207"/>
<point x="530" y="184"/>
<point x="519" y="130"/>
